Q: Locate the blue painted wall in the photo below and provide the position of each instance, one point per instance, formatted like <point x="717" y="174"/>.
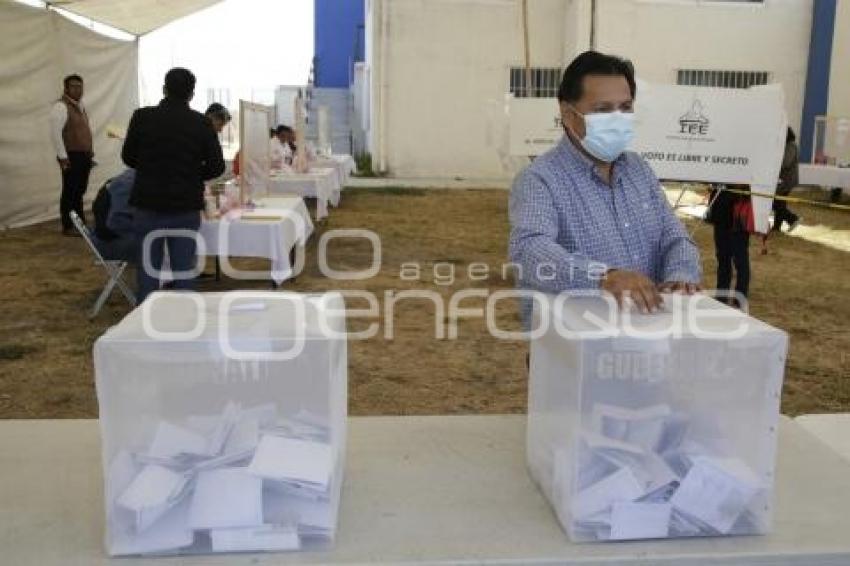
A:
<point x="817" y="76"/>
<point x="339" y="41"/>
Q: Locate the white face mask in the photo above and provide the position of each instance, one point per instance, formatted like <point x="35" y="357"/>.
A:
<point x="607" y="134"/>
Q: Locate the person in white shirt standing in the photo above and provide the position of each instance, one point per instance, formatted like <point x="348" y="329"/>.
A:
<point x="72" y="139"/>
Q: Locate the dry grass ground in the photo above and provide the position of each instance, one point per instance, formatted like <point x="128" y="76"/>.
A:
<point x="47" y="284"/>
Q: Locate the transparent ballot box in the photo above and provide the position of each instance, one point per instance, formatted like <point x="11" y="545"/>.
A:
<point x="223" y="423"/>
<point x="644" y="426"/>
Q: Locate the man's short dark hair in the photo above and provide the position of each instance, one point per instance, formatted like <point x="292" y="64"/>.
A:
<point x="179" y="83"/>
<point x="282" y="129"/>
<point x="593" y="63"/>
<point x="217" y="110"/>
<point x="70" y="78"/>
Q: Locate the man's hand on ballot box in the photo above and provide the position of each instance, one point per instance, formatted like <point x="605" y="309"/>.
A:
<point x="632" y="285"/>
<point x="641" y="290"/>
<point x="680" y="287"/>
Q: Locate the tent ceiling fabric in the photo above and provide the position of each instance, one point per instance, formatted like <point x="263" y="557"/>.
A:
<point x="134" y="16"/>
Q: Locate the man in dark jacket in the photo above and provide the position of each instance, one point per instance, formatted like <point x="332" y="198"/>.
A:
<point x="173" y="150"/>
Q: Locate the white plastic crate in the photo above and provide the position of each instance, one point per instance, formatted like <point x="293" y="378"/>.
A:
<point x="654" y="426"/>
<point x="223" y="422"/>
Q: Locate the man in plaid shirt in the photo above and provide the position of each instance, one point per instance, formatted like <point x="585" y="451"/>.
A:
<point x="588" y="214"/>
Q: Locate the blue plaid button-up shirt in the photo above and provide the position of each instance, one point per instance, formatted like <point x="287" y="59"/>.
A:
<point x="568" y="226"/>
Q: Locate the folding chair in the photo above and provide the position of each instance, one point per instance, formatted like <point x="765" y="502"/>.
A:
<point x="115" y="269"/>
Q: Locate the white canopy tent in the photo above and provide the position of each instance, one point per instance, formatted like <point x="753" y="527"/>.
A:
<point x="38" y="48"/>
<point x="137" y="17"/>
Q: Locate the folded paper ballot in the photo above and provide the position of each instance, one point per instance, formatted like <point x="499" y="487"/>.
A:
<point x="122" y="471"/>
<point x="641" y="475"/>
<point x="221" y="431"/>
<point x="263" y="538"/>
<point x="224" y="475"/>
<point x="716" y="492"/>
<point x="619" y="486"/>
<point x="303" y="425"/>
<point x="315" y="515"/>
<point x="640" y="520"/>
<point x="171" y="441"/>
<point x="152" y="493"/>
<point x="288" y="459"/>
<point x="649" y="468"/>
<point x="169" y="533"/>
<point x="225" y="499"/>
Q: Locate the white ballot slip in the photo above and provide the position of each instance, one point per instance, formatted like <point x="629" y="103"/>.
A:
<point x="649" y="468"/>
<point x="168" y="534"/>
<point x="221" y="431"/>
<point x="631" y="521"/>
<point x="619" y="486"/>
<point x="171" y="441"/>
<point x="313" y="492"/>
<point x="152" y="493"/>
<point x="288" y="459"/>
<point x="264" y="538"/>
<point x="282" y="508"/>
<point x="122" y="471"/>
<point x="244" y="436"/>
<point x="644" y="427"/>
<point x="716" y="491"/>
<point x="226" y="498"/>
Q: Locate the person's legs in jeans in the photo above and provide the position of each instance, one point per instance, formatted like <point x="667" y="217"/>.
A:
<point x="741" y="257"/>
<point x="182" y="250"/>
<point x="723" y="252"/>
<point x="147" y="272"/>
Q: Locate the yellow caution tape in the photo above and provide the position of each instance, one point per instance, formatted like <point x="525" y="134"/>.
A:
<point x="786" y="199"/>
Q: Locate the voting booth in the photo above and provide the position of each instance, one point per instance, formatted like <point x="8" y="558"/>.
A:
<point x="685" y="133"/>
<point x="654" y="426"/>
<point x="255" y="161"/>
<point x="223" y="422"/>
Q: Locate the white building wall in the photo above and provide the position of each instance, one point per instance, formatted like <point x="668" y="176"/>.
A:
<point x="661" y="36"/>
<point x="446" y="76"/>
<point x="445" y="72"/>
<point x="839" y="77"/>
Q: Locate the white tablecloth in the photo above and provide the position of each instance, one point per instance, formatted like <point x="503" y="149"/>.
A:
<point x="343" y="163"/>
<point x="321" y="183"/>
<point x="825" y="175"/>
<point x="253" y="235"/>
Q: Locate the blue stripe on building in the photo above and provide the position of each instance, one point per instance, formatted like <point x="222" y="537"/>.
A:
<point x="816" y="99"/>
<point x="339" y="41"/>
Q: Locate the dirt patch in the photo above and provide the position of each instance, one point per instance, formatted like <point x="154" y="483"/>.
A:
<point x="47" y="284"/>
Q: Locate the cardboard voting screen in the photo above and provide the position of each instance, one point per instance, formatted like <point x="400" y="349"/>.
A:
<point x="255" y="162"/>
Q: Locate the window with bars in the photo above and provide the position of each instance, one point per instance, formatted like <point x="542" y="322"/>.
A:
<point x="544" y="82"/>
<point x="721" y="79"/>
